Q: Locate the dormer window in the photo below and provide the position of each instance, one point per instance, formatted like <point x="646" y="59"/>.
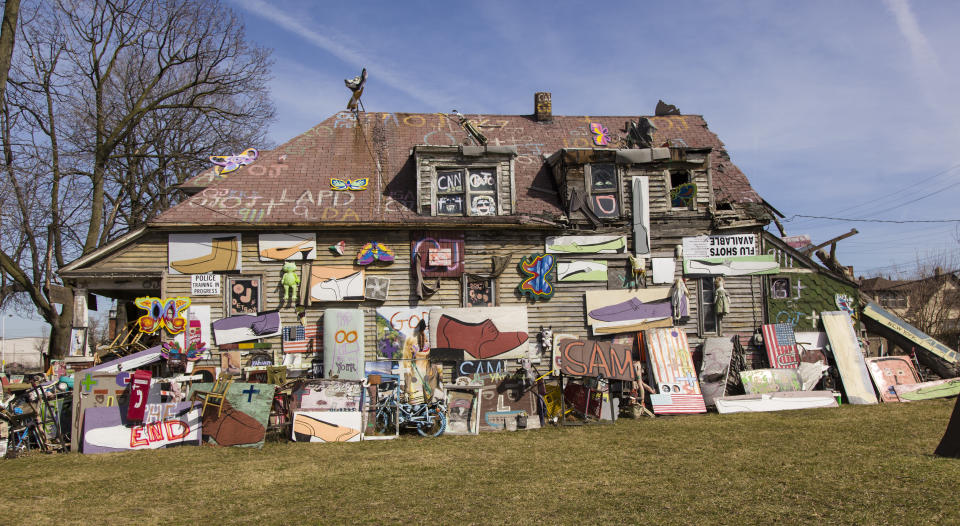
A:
<point x="683" y="191"/>
<point x="604" y="184"/>
<point x="471" y="192"/>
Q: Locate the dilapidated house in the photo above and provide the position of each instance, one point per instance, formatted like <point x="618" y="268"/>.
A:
<point x="375" y="213"/>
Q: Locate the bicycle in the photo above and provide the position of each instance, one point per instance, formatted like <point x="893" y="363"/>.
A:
<point x="429" y="418"/>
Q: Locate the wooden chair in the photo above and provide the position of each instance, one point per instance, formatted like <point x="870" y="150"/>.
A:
<point x="215" y="396"/>
<point x="277" y="375"/>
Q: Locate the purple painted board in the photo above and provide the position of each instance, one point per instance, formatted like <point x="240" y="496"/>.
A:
<point x="107" y="429"/>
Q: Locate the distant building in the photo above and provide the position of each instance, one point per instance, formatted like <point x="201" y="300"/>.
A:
<point x="24" y="353"/>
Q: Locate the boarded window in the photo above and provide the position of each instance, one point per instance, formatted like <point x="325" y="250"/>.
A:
<point x="708" y="311"/>
<point x="604" y="190"/>
<point x="467" y="192"/>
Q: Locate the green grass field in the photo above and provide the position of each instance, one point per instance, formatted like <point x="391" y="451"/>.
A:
<point x="852" y="465"/>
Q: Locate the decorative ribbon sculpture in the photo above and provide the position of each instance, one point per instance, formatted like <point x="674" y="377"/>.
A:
<point x="539" y="271"/>
<point x="162" y="313"/>
<point x="229" y="163"/>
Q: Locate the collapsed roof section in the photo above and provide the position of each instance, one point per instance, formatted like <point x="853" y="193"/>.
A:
<point x="291" y="185"/>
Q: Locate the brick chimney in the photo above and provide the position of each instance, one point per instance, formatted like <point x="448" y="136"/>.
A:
<point x="542" y="106"/>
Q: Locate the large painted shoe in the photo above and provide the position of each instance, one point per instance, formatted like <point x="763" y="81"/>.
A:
<point x="223" y="256"/>
<point x="286" y="252"/>
<point x="481" y="340"/>
<point x="633" y="309"/>
<point x="305" y="427"/>
<point x="232" y="427"/>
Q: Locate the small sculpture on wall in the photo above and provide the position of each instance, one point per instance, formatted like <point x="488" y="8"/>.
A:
<point x="349" y="184"/>
<point x="338" y="247"/>
<point x="374" y="251"/>
<point x="229" y="163"/>
<point x="290" y="280"/>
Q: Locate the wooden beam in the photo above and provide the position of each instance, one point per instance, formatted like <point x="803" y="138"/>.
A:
<point x="811" y="250"/>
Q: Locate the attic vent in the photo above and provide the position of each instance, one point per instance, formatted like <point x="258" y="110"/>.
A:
<point x="542" y="106"/>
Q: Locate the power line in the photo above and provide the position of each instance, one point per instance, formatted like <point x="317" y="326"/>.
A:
<point x="904" y="221"/>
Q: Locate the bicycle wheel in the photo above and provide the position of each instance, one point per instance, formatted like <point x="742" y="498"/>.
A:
<point x="384" y="423"/>
<point x="435" y="429"/>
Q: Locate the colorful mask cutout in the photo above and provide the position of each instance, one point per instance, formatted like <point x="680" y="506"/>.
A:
<point x="162" y="313"/>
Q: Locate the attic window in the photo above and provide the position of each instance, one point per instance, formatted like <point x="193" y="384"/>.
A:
<point x="466" y="192"/>
<point x="604" y="190"/>
<point x="683" y="191"/>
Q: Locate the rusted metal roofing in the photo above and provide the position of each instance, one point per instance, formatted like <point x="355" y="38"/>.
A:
<point x="290" y="185"/>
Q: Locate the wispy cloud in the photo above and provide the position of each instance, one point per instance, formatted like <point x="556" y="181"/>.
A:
<point x="315" y="35"/>
<point x="930" y="73"/>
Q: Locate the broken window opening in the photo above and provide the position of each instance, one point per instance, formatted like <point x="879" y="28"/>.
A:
<point x="708" y="310"/>
<point x="683" y="191"/>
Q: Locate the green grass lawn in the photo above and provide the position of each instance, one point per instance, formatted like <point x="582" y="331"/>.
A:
<point x="852" y="465"/>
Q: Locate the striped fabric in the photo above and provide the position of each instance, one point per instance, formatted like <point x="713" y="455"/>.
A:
<point x="301" y="339"/>
<point x="668" y="356"/>
<point x="781" y="346"/>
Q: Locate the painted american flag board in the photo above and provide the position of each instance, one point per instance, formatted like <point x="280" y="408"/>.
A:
<point x="675" y="378"/>
<point x="301" y="339"/>
<point x="781" y="344"/>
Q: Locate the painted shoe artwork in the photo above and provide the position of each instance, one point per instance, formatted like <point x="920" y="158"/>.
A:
<point x="347" y="288"/>
<point x="305" y="427"/>
<point x="232" y="427"/>
<point x="481" y="340"/>
<point x="585" y="245"/>
<point x="374" y="251"/>
<point x="287" y="252"/>
<point x="223" y="255"/>
<point x="633" y="309"/>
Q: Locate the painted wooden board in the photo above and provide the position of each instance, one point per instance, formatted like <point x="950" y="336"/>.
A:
<point x="763" y="381"/>
<point x="892" y="322"/>
<point x="343" y="344"/>
<point x="99" y="388"/>
<point x="732" y="266"/>
<point x="890" y="371"/>
<point x="107" y="429"/>
<point x="397" y="331"/>
<point x="586" y="245"/>
<point x="242" y="422"/>
<point x="786" y="401"/>
<point x="302" y="339"/>
<point x="441" y="253"/>
<point x="245" y="327"/>
<point x="848" y="357"/>
<point x="675" y="378"/>
<point x="503" y="402"/>
<point x="327" y="426"/>
<point x="463" y="410"/>
<point x="204" y="253"/>
<point x="781" y="345"/>
<point x="483" y="332"/>
<point x="588" y="357"/>
<point x="337" y="283"/>
<point x="928" y="390"/>
<point x="322" y="394"/>
<point x="640" y="187"/>
<point x="613" y="311"/>
<point x="581" y="270"/>
<point x="715" y="368"/>
<point x="298" y="246"/>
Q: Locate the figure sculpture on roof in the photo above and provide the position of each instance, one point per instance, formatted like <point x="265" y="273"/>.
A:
<point x="640" y="133"/>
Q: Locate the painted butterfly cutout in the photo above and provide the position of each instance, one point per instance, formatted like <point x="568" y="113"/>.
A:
<point x="228" y="163"/>
<point x="349" y="184"/>
<point x="161" y="313"/>
<point x="374" y="251"/>
<point x="538" y="271"/>
<point x="600" y="132"/>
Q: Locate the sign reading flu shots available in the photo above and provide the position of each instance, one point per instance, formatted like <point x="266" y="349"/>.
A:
<point x="720" y="246"/>
<point x="204" y="285"/>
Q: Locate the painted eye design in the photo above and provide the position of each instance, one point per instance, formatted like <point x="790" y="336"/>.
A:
<point x="161" y="313"/>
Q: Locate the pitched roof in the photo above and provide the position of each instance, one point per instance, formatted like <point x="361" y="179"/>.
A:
<point x="290" y="185"/>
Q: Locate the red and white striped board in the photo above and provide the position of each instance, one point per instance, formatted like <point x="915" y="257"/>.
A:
<point x="678" y="390"/>
<point x="310" y="343"/>
<point x="781" y="344"/>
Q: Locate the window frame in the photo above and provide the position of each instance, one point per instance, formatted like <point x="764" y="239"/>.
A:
<point x="711" y="310"/>
<point x="671" y="187"/>
<point x="467" y="193"/>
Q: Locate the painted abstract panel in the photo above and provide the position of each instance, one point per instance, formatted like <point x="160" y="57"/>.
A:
<point x="242" y="421"/>
<point x="582" y="270"/>
<point x="343" y="344"/>
<point x="668" y="356"/>
<point x="299" y="246"/>
<point x="463" y="411"/>
<point x="441" y="253"/>
<point x="327" y="426"/>
<point x="327" y="395"/>
<point x="762" y="381"/>
<point x="483" y="332"/>
<point x="587" y="357"/>
<point x="848" y="357"/>
<point x="337" y="283"/>
<point x="888" y="371"/>
<point x="586" y="245"/>
<point x="204" y="253"/>
<point x="397" y="331"/>
<point x="613" y="311"/>
<point x="506" y="406"/>
<point x="107" y="429"/>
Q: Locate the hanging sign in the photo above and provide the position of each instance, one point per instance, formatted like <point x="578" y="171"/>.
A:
<point x="720" y="246"/>
<point x="204" y="285"/>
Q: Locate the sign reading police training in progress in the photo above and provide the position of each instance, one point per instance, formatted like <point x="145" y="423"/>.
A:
<point x="720" y="246"/>
<point x="204" y="285"/>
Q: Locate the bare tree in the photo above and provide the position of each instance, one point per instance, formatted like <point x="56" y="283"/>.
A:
<point x="109" y="103"/>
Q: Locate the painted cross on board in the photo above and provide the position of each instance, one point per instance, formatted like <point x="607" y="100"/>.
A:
<point x="88" y="382"/>
<point x="250" y="391"/>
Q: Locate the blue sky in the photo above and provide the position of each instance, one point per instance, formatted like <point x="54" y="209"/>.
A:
<point x="840" y="109"/>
